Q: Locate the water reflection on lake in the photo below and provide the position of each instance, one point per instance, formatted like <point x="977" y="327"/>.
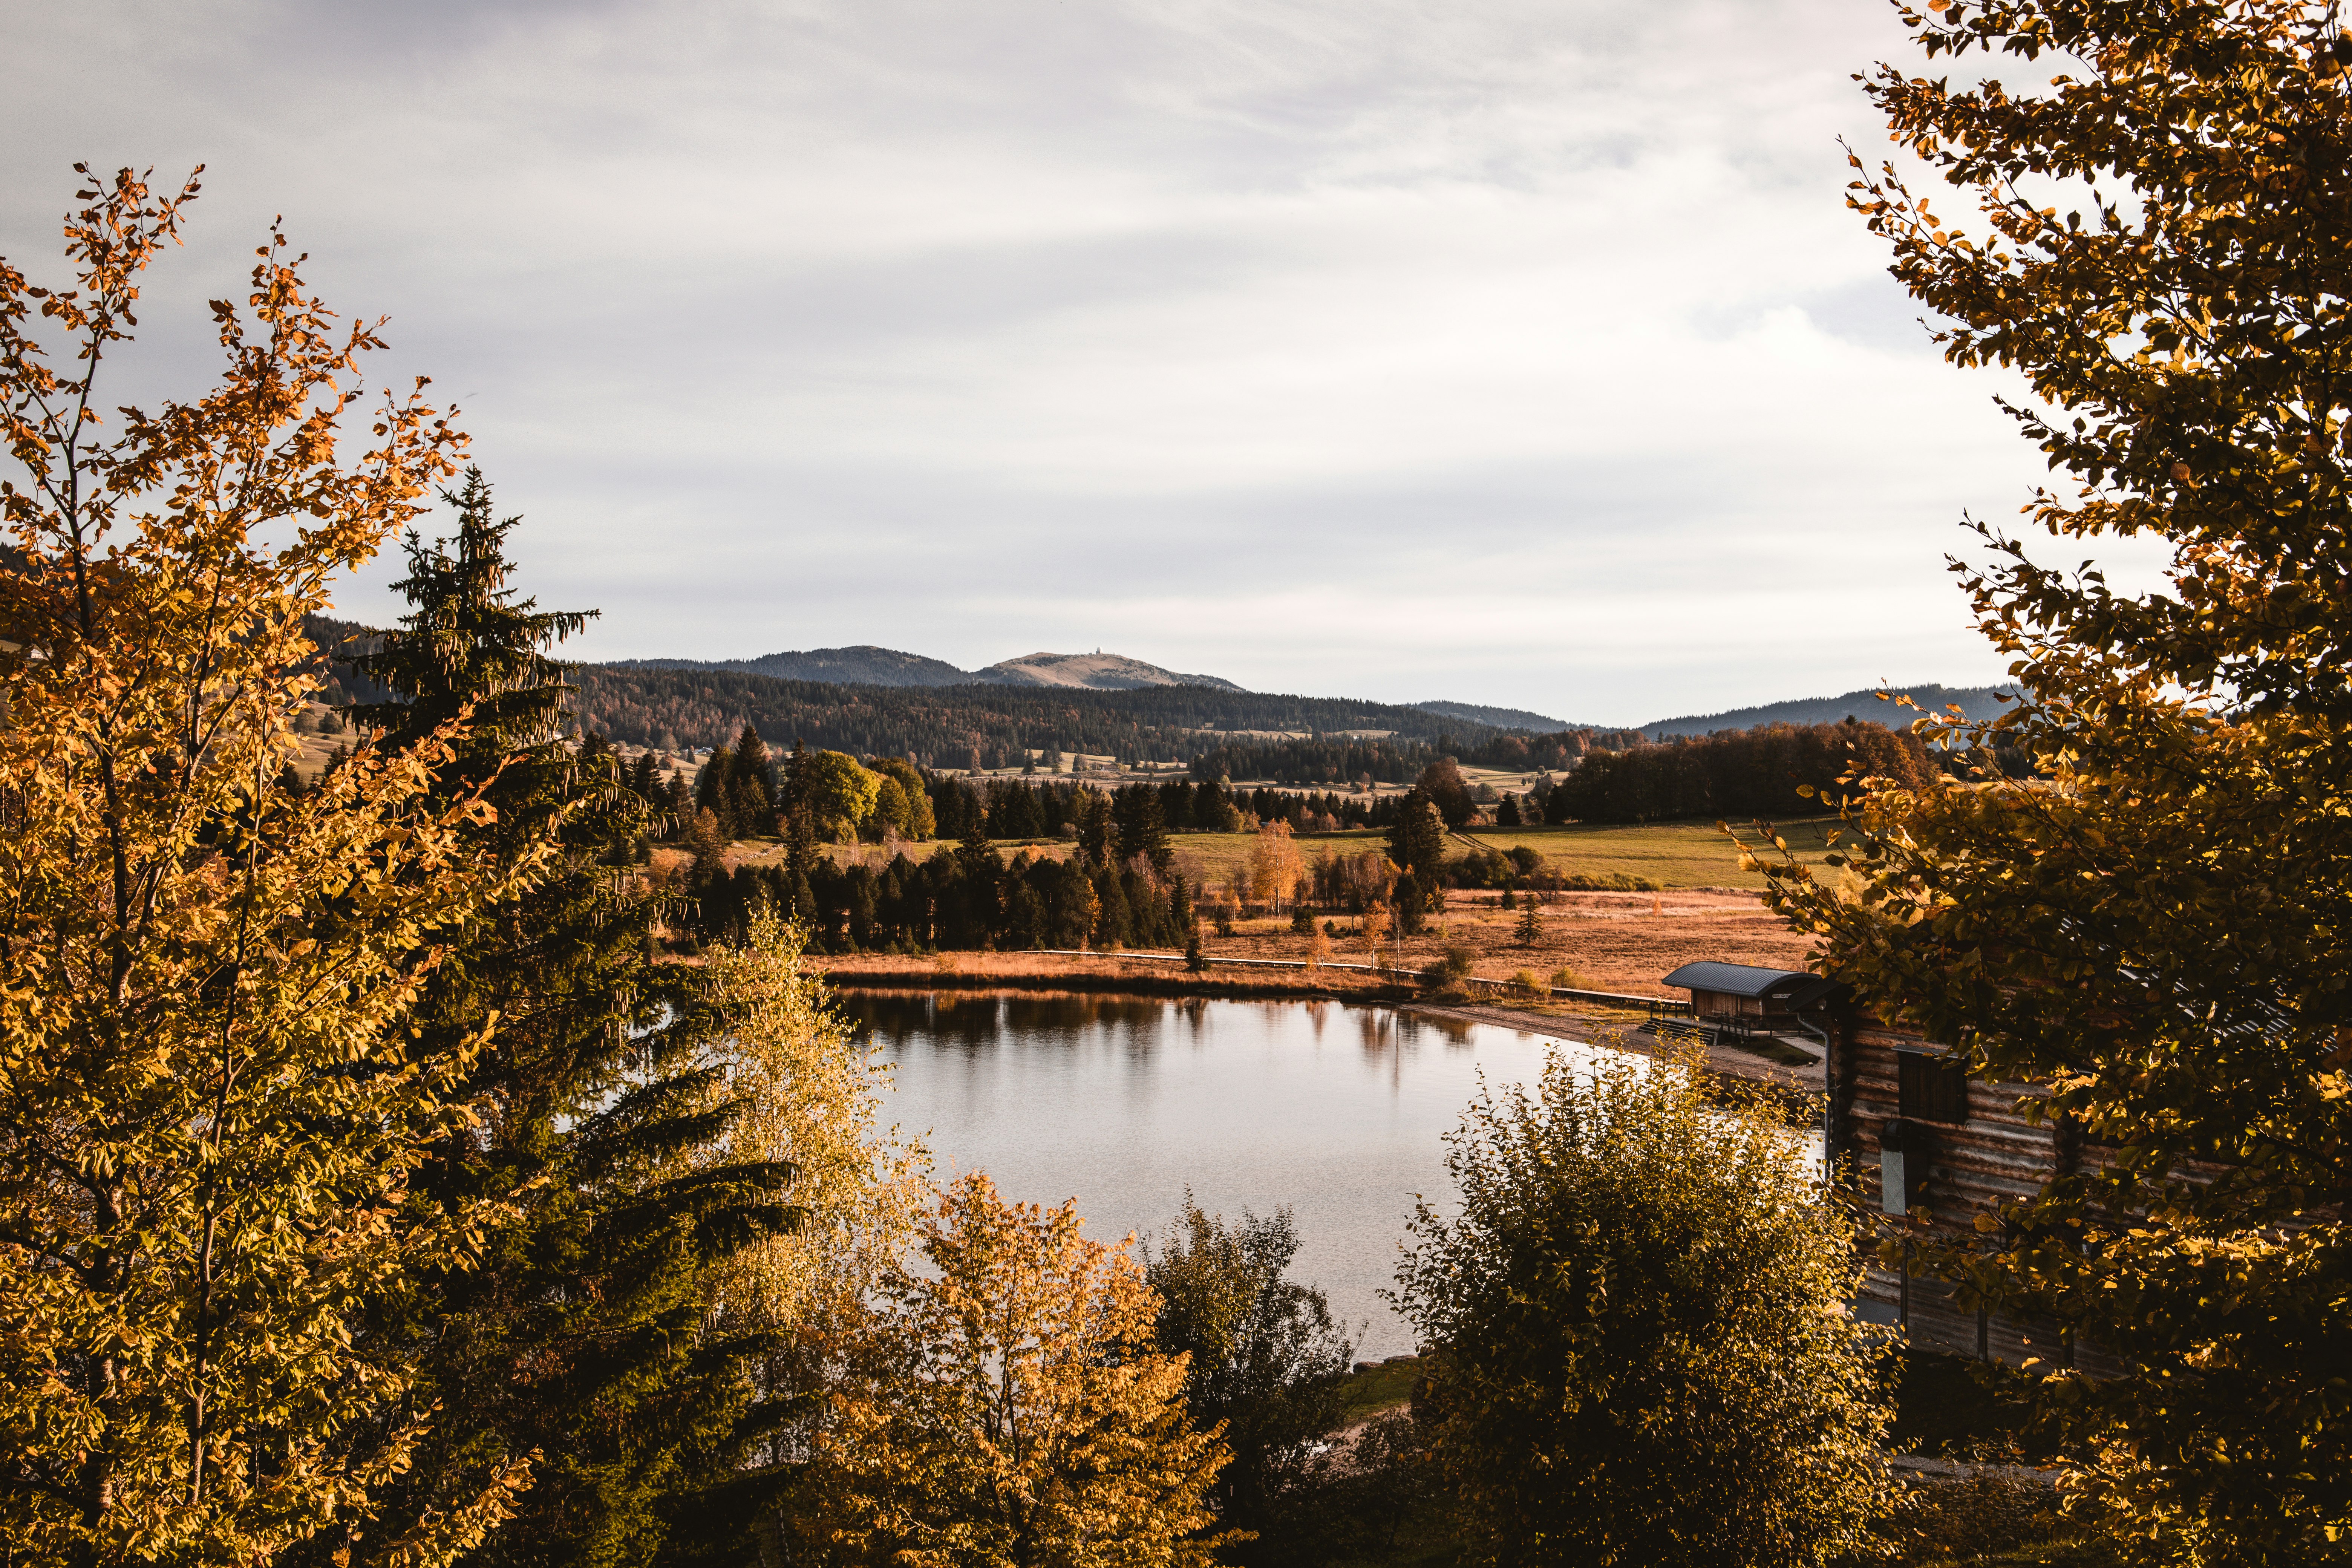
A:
<point x="1120" y="1101"/>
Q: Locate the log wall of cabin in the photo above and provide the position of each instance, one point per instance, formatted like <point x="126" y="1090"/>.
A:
<point x="1992" y="1157"/>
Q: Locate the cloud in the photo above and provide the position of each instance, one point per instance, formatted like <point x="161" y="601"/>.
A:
<point x="1514" y="353"/>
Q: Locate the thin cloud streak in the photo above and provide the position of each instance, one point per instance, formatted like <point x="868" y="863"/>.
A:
<point x="1513" y="353"/>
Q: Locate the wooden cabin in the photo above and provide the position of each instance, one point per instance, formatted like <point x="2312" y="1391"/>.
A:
<point x="1915" y="1135"/>
<point x="1723" y="991"/>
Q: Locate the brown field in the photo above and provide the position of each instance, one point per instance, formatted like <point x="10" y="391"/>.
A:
<point x="1625" y="943"/>
<point x="1611" y="942"/>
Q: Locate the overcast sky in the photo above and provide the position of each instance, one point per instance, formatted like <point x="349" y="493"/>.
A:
<point x="1506" y="353"/>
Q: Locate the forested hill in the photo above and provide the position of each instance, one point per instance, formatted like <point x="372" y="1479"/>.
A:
<point x="864" y="665"/>
<point x="944" y="726"/>
<point x="1500" y="717"/>
<point x="1220" y="734"/>
<point x="1975" y="701"/>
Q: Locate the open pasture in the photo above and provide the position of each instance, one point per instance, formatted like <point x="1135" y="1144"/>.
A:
<point x="1674" y="855"/>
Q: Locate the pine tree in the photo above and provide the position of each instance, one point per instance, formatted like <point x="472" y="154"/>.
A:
<point x="980" y="875"/>
<point x="1529" y="929"/>
<point x="1094" y="831"/>
<point x="749" y="798"/>
<point x="1417" y="842"/>
<point x="583" y="1321"/>
<point x="1113" y="922"/>
<point x="1141" y="829"/>
<point x="711" y="788"/>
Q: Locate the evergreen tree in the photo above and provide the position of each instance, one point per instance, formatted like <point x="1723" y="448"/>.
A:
<point x="946" y="806"/>
<point x="1093" y="820"/>
<point x="1180" y="911"/>
<point x="979" y="873"/>
<point x="710" y="788"/>
<point x="1141" y="829"/>
<point x="579" y="1336"/>
<point x="1417" y="841"/>
<point x="750" y="793"/>
<point x="1111" y="923"/>
<point x="1442" y="785"/>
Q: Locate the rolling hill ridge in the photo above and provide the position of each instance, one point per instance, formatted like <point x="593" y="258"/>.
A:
<point x="866" y="665"/>
<point x="1974" y="702"/>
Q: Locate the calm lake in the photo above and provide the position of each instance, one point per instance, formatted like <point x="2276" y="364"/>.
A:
<point x="1123" y="1101"/>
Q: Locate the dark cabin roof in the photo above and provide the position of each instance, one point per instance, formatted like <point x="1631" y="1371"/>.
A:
<point x="1739" y="979"/>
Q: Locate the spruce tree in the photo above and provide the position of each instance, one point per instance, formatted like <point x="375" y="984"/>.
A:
<point x="711" y="788"/>
<point x="1141" y="828"/>
<point x="1417" y="842"/>
<point x="1093" y="820"/>
<point x="749" y="795"/>
<point x="579" y="1337"/>
<point x="1530" y="928"/>
<point x="980" y="872"/>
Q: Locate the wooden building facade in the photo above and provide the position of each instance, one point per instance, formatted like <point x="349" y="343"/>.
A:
<point x="1926" y="1144"/>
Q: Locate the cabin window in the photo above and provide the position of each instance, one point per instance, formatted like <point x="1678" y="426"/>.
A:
<point x="1931" y="1087"/>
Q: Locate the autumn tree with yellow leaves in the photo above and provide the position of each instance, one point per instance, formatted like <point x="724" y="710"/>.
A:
<point x="210" y="1100"/>
<point x="1005" y="1405"/>
<point x="2152" y="204"/>
<point x="1275" y="867"/>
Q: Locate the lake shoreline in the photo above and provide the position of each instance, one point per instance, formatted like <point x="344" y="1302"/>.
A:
<point x="1105" y="973"/>
<point x="1114" y="973"/>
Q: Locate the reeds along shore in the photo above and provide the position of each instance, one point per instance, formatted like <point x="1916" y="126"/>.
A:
<point x="1107" y="972"/>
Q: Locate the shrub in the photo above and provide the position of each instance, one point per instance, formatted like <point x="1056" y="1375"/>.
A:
<point x="1525" y="983"/>
<point x="1568" y="980"/>
<point x="1267" y="1360"/>
<point x="1615" y="882"/>
<point x="1637" y="1330"/>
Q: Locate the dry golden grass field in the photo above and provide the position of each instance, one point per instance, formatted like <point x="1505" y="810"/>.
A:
<point x="1609" y="941"/>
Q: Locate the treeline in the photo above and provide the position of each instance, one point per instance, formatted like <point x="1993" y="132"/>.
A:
<point x="1398" y="760"/>
<point x="1755" y="772"/>
<point x="750" y="793"/>
<point x="1760" y="772"/>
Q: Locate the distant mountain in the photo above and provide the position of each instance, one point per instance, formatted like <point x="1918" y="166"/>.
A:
<point x="1500" y="717"/>
<point x="1975" y="701"/>
<point x="1097" y="671"/>
<point x="864" y="665"/>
